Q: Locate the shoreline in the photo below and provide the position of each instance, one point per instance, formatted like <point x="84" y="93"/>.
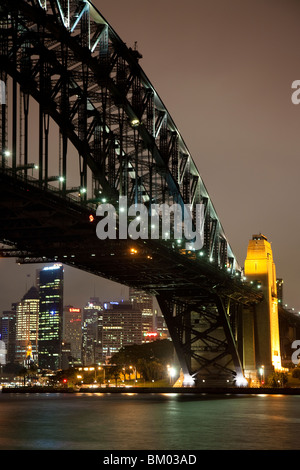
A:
<point x="159" y="390"/>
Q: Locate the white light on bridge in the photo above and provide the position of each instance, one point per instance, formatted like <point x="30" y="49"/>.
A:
<point x="188" y="381"/>
<point x="135" y="122"/>
<point x="240" y="381"/>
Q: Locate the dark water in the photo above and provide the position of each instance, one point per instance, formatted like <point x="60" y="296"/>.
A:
<point x="148" y="422"/>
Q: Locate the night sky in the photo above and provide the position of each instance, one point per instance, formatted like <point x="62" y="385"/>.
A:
<point x="224" y="70"/>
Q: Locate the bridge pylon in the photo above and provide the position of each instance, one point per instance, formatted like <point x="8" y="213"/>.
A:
<point x="261" y="340"/>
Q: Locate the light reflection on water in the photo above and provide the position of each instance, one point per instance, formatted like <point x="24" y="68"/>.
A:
<point x="149" y="422"/>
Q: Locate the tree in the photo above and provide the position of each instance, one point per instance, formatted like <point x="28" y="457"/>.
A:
<point x="67" y="377"/>
<point x="150" y="369"/>
<point x="23" y="373"/>
<point x="296" y="373"/>
<point x="150" y="359"/>
<point x="12" y="368"/>
<point x="277" y="379"/>
<point x="162" y="350"/>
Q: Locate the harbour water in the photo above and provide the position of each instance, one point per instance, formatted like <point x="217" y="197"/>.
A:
<point x="83" y="421"/>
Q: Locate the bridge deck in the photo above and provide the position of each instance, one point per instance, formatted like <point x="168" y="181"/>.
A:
<point x="40" y="225"/>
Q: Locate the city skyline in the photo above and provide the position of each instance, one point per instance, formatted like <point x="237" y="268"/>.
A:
<point x="74" y="293"/>
<point x="43" y="330"/>
<point x="226" y="80"/>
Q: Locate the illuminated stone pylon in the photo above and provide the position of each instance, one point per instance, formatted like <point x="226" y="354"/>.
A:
<point x="261" y="326"/>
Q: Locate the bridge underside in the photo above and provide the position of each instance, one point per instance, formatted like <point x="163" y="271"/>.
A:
<point x="79" y="112"/>
<point x="200" y="303"/>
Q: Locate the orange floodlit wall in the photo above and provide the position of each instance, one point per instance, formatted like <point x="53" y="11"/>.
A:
<point x="261" y="273"/>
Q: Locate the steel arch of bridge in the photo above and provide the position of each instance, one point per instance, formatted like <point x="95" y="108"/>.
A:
<point x="114" y="127"/>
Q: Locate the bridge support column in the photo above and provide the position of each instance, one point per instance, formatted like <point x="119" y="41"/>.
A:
<point x="261" y="327"/>
<point x="248" y="350"/>
<point x="203" y="337"/>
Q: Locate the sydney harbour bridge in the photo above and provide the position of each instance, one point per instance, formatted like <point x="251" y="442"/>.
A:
<point x="82" y="125"/>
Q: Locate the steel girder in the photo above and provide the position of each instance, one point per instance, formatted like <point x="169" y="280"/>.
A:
<point x="116" y="138"/>
<point x="67" y="57"/>
<point x="204" y="330"/>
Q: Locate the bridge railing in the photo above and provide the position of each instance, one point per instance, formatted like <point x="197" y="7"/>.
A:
<point x="46" y="186"/>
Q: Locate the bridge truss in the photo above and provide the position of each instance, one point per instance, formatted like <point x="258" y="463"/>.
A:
<point x="81" y="126"/>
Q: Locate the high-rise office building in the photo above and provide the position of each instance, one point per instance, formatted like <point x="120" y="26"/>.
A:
<point x="50" y="317"/>
<point x="2" y="354"/>
<point x="122" y="326"/>
<point x="144" y="302"/>
<point x="8" y="333"/>
<point x="27" y="317"/>
<point x="72" y="330"/>
<point x="92" y="332"/>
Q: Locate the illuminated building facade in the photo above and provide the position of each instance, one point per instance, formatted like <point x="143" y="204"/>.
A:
<point x="72" y="330"/>
<point x="27" y="318"/>
<point x="144" y="302"/>
<point x="92" y="332"/>
<point x="262" y="349"/>
<point x="122" y="326"/>
<point x="50" y="317"/>
<point x="2" y="354"/>
<point x="8" y="332"/>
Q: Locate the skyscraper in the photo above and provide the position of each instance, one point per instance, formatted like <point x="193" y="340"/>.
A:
<point x="50" y="317"/>
<point x="92" y="332"/>
<point x="72" y="331"/>
<point x="122" y="326"/>
<point x="144" y="302"/>
<point x="2" y="353"/>
<point x="27" y="316"/>
<point x="8" y="332"/>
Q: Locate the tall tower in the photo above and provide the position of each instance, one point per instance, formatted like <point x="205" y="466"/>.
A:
<point x="27" y="315"/>
<point x="260" y="271"/>
<point x="50" y="317"/>
<point x="144" y="302"/>
<point x="8" y="332"/>
<point x="92" y="332"/>
<point x="72" y="329"/>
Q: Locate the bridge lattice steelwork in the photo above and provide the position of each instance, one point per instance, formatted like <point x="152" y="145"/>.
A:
<point x="82" y="125"/>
